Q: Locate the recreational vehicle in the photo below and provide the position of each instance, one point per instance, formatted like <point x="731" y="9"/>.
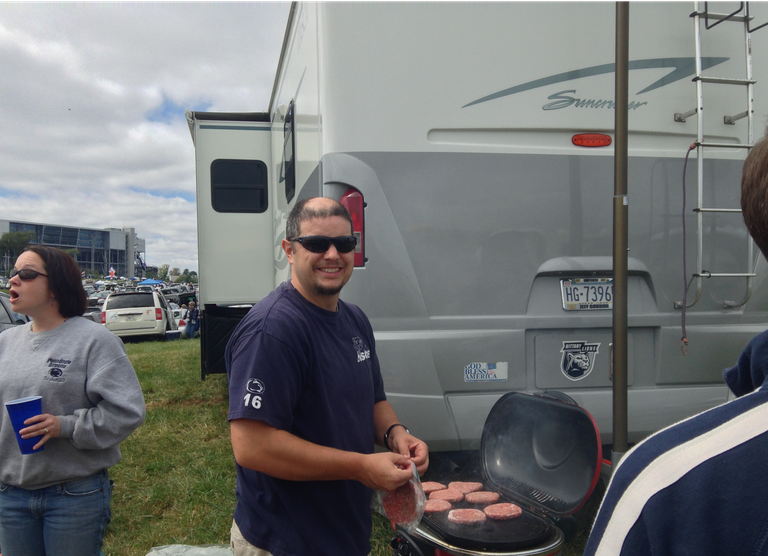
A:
<point x="473" y="146"/>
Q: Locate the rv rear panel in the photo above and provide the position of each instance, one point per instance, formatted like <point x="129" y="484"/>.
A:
<point x="488" y="232"/>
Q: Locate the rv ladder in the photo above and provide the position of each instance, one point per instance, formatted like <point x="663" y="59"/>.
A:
<point x="701" y="144"/>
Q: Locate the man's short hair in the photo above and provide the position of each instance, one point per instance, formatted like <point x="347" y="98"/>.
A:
<point x="300" y="212"/>
<point x="754" y="194"/>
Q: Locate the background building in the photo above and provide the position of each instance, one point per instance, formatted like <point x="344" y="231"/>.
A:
<point x="96" y="250"/>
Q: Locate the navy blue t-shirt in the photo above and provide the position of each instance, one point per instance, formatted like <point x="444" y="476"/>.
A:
<point x="315" y="374"/>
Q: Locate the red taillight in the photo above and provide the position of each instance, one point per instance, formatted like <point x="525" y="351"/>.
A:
<point x="158" y="314"/>
<point x="353" y="202"/>
<point x="591" y="140"/>
<point x="103" y="318"/>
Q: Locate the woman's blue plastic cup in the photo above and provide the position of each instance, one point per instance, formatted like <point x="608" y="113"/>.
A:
<point x="20" y="410"/>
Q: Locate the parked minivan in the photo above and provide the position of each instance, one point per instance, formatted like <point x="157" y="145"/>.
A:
<point x="137" y="314"/>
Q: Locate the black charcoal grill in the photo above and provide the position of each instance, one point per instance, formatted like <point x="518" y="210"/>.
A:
<point x="541" y="452"/>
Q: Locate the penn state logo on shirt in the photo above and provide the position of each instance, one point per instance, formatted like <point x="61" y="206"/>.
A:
<point x="362" y="350"/>
<point x="255" y="386"/>
<point x="578" y="359"/>
<point x="255" y="389"/>
<point x="56" y="370"/>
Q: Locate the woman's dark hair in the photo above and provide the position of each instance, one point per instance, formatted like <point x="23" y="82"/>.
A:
<point x="64" y="280"/>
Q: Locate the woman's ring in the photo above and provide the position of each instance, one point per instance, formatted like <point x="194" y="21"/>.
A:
<point x="45" y="431"/>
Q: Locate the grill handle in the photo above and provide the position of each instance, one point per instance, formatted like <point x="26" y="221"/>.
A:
<point x="404" y="545"/>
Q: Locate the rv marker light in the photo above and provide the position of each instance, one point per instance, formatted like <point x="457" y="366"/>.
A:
<point x="591" y="140"/>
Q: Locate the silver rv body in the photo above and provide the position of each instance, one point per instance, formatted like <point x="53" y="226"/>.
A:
<point x="455" y="125"/>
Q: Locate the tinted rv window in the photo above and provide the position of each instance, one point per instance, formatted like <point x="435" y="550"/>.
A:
<point x="238" y="185"/>
<point x="289" y="155"/>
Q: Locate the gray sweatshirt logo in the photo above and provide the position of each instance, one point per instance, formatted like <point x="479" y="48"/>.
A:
<point x="56" y="369"/>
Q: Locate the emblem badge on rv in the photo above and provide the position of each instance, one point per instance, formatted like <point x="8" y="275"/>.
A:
<point x="578" y="359"/>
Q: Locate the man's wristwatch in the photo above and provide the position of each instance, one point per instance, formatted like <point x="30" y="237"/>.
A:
<point x="389" y="430"/>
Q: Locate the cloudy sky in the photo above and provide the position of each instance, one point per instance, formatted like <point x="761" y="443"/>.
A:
<point x="92" y="100"/>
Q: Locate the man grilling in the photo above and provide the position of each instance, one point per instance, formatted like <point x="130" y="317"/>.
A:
<point x="307" y="403"/>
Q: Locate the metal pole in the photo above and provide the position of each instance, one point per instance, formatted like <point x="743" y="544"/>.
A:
<point x="620" y="219"/>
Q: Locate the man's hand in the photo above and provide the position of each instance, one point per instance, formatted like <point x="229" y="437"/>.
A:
<point x="409" y="446"/>
<point x="385" y="471"/>
<point x="400" y="441"/>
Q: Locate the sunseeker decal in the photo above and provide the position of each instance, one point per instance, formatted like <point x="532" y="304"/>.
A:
<point x="564" y="100"/>
<point x="681" y="68"/>
<point x="578" y="359"/>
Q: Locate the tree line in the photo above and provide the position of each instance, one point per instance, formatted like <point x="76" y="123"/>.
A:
<point x="164" y="273"/>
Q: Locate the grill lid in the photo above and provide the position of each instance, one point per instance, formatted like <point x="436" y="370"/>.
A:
<point x="542" y="451"/>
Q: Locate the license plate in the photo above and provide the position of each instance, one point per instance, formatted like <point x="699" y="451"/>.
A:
<point x="130" y="318"/>
<point x="587" y="294"/>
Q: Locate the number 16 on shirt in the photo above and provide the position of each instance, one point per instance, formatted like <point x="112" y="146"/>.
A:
<point x="253" y="401"/>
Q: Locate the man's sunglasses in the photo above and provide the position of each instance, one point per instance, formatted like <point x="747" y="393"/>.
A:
<point x="321" y="244"/>
<point x="27" y="274"/>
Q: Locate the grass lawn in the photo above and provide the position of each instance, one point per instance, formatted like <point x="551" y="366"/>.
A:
<point x="176" y="482"/>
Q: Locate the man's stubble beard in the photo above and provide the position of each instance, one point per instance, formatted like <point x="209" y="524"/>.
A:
<point x="322" y="290"/>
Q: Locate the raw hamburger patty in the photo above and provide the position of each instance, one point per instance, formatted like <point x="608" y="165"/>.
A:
<point x="466" y="517"/>
<point x="447" y="494"/>
<point x="436" y="506"/>
<point x="431" y="486"/>
<point x="466" y="487"/>
<point x="400" y="504"/>
<point x="482" y="497"/>
<point x="503" y="511"/>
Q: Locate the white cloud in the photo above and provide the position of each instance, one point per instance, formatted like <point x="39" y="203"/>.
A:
<point x="91" y="100"/>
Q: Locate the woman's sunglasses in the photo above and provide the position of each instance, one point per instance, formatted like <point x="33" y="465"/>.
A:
<point x="321" y="244"/>
<point x="26" y="274"/>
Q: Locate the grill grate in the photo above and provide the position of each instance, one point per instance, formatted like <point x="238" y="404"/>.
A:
<point x="527" y="491"/>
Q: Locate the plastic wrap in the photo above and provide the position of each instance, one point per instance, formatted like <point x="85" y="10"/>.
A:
<point x="405" y="505"/>
<point x="183" y="550"/>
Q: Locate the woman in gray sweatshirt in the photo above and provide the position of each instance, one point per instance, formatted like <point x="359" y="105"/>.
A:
<point x="56" y="501"/>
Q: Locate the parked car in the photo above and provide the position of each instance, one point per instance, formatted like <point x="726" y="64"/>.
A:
<point x="3" y="283"/>
<point x="171" y="294"/>
<point x="9" y="317"/>
<point x="138" y="314"/>
<point x="97" y="299"/>
<point x="180" y="322"/>
<point x="186" y="297"/>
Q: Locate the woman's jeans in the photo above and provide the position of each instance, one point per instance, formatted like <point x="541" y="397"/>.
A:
<point x="68" y="519"/>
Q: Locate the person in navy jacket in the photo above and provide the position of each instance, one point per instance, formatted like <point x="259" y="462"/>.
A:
<point x="699" y="486"/>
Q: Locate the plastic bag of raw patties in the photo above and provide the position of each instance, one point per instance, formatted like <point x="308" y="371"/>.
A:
<point x="405" y="505"/>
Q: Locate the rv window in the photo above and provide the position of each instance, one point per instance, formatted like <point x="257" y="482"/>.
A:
<point x="289" y="155"/>
<point x="239" y="185"/>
